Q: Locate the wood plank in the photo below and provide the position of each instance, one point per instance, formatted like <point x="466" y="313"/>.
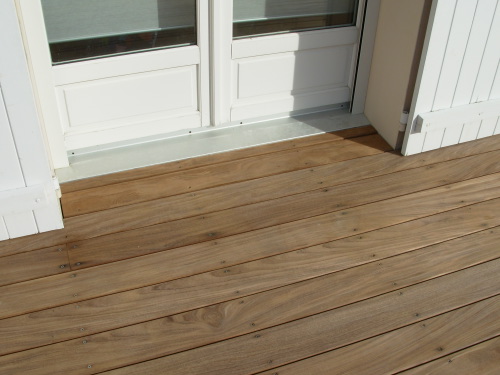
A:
<point x="88" y="226"/>
<point x="481" y="359"/>
<point x="62" y="289"/>
<point x="411" y="346"/>
<point x="121" y="194"/>
<point x="303" y="338"/>
<point x="33" y="242"/>
<point x="114" y="311"/>
<point x="215" y="323"/>
<point x="206" y="160"/>
<point x="216" y="225"/>
<point x="32" y="265"/>
<point x="224" y="197"/>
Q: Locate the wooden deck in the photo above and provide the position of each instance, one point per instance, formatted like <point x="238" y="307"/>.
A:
<point x="324" y="255"/>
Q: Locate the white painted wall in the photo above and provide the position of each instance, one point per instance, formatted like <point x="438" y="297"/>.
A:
<point x="459" y="68"/>
<point x="28" y="200"/>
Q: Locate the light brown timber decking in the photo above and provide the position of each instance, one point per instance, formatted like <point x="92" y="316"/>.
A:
<point x="323" y="255"/>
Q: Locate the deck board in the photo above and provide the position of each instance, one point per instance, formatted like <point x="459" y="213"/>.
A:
<point x="33" y="265"/>
<point x="64" y="323"/>
<point x="408" y="346"/>
<point x="481" y="359"/>
<point x="336" y="328"/>
<point x="226" y="320"/>
<point x="207" y="226"/>
<point x="271" y="266"/>
<point x="238" y="194"/>
<point x="58" y="290"/>
<point x="136" y="191"/>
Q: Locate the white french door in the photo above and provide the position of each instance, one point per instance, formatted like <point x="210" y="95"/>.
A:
<point x="116" y="71"/>
<point x="111" y="71"/>
<point x="280" y="57"/>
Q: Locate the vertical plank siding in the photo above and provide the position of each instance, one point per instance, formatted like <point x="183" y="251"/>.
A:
<point x="11" y="177"/>
<point x="22" y="151"/>
<point x="459" y="68"/>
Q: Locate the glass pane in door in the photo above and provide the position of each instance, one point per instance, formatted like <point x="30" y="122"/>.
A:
<point x="264" y="17"/>
<point x="85" y="29"/>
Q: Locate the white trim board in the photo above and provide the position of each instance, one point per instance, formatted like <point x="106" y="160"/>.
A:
<point x="24" y="199"/>
<point x="457" y="116"/>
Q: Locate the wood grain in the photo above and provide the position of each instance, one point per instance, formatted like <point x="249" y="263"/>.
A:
<point x="286" y="270"/>
<point x="193" y="329"/>
<point x="238" y="194"/>
<point x="332" y="329"/>
<point x="111" y="312"/>
<point x="62" y="289"/>
<point x="216" y="225"/>
<point x="417" y="343"/>
<point x="88" y="226"/>
<point x="33" y="265"/>
<point x="141" y="190"/>
<point x="202" y="161"/>
<point x="483" y="358"/>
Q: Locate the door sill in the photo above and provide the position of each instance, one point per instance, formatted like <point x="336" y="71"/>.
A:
<point x="211" y="141"/>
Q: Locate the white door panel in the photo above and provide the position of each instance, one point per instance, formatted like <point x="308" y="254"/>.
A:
<point x="293" y="72"/>
<point x="268" y="107"/>
<point x="124" y="65"/>
<point x="275" y="75"/>
<point x="273" y="44"/>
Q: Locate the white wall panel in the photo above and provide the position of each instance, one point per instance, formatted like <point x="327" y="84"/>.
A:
<point x="458" y="68"/>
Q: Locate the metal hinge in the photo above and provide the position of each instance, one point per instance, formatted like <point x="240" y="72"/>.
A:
<point x="403" y="120"/>
<point x="57" y="186"/>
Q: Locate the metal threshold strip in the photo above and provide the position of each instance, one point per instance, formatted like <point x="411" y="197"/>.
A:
<point x="205" y="142"/>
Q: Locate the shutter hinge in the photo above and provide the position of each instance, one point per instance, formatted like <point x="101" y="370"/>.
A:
<point x="403" y="120"/>
<point x="57" y="186"/>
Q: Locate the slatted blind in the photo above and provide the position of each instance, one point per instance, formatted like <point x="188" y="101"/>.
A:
<point x="68" y="20"/>
<point x="255" y="10"/>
